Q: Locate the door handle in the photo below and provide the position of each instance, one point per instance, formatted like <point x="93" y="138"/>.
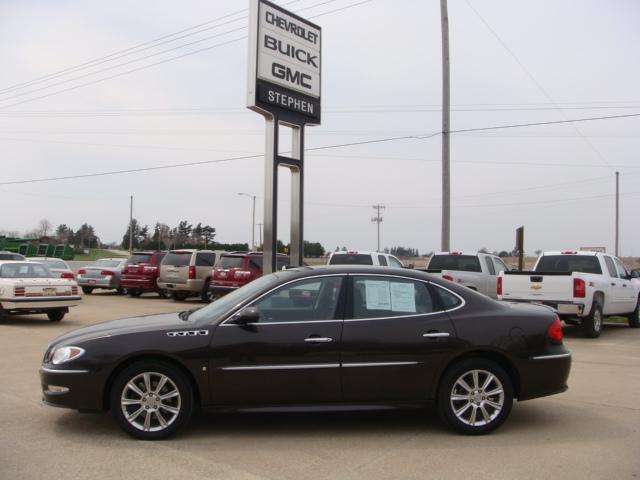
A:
<point x="436" y="335"/>
<point x="613" y="284"/>
<point x="624" y="284"/>
<point x="318" y="340"/>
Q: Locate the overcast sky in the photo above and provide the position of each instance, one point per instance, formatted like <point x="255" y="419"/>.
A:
<point x="511" y="63"/>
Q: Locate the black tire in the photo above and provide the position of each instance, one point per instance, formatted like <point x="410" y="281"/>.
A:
<point x="634" y="317"/>
<point x="592" y="323"/>
<point x="180" y="296"/>
<point x="87" y="290"/>
<point x="476" y="400"/>
<point x="121" y="291"/>
<point x="56" y="315"/>
<point x="164" y="293"/>
<point x="182" y="404"/>
<point x="206" y="295"/>
<point x="134" y="292"/>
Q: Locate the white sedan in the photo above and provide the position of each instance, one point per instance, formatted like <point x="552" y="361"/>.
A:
<point x="29" y="287"/>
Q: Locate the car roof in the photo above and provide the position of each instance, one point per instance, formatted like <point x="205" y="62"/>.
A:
<point x="572" y="252"/>
<point x="463" y="253"/>
<point x="45" y="258"/>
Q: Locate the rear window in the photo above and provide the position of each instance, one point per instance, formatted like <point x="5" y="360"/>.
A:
<point x="177" y="259"/>
<point x="230" y="262"/>
<point x="256" y="261"/>
<point x="24" y="270"/>
<point x="351" y="259"/>
<point x="107" y="263"/>
<point x="139" y="258"/>
<point x="569" y="263"/>
<point x="462" y="263"/>
<point x="54" y="264"/>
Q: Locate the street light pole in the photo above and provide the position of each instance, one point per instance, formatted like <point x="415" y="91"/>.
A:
<point x="446" y="166"/>
<point x="253" y="218"/>
<point x="617" y="213"/>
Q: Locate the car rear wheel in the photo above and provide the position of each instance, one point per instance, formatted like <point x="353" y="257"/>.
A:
<point x="207" y="294"/>
<point x="634" y="317"/>
<point x="475" y="396"/>
<point x="592" y="323"/>
<point x="164" y="294"/>
<point x="87" y="290"/>
<point x="56" y="315"/>
<point x="151" y="400"/>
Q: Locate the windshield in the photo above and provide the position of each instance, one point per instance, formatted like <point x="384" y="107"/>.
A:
<point x="569" y="263"/>
<point x="462" y="263"/>
<point x="107" y="263"/>
<point x="177" y="259"/>
<point x="24" y="270"/>
<point x="351" y="259"/>
<point x="235" y="298"/>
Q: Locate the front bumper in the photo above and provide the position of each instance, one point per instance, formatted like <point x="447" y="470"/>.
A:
<point x="44" y="303"/>
<point x="544" y="375"/>
<point x="74" y="388"/>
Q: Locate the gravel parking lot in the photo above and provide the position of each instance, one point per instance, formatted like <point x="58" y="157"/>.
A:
<point x="592" y="431"/>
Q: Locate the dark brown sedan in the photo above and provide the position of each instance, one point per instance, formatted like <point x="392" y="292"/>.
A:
<point x="344" y="335"/>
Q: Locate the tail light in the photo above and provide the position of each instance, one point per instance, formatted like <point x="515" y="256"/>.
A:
<point x="448" y="277"/>
<point x="82" y="271"/>
<point x="192" y="272"/>
<point x="67" y="275"/>
<point x="149" y="268"/>
<point x="499" y="286"/>
<point x="74" y="290"/>
<point x="579" y="288"/>
<point x="19" y="292"/>
<point x="554" y="332"/>
<point x="106" y="273"/>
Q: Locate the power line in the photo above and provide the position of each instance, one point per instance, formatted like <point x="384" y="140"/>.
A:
<point x="326" y="147"/>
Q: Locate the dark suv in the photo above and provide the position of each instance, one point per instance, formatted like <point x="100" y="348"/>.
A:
<point x="140" y="273"/>
<point x="236" y="269"/>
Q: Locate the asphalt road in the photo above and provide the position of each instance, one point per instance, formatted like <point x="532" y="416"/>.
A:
<point x="590" y="432"/>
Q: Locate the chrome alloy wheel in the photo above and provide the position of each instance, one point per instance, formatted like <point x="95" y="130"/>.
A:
<point x="150" y="401"/>
<point x="477" y="397"/>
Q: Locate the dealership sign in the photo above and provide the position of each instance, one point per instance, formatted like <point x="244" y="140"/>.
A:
<point x="284" y="63"/>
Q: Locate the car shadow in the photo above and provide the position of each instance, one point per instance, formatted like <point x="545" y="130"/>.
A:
<point x="575" y="331"/>
<point x="36" y="320"/>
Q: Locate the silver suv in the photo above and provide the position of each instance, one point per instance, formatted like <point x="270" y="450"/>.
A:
<point x="185" y="273"/>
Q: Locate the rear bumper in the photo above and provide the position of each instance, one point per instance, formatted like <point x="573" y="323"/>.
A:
<point x="98" y="282"/>
<point x="75" y="389"/>
<point x="190" y="286"/>
<point x="563" y="307"/>
<point x="148" y="284"/>
<point x="544" y="375"/>
<point x="31" y="304"/>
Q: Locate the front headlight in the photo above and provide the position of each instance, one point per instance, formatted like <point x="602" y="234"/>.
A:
<point x="66" y="354"/>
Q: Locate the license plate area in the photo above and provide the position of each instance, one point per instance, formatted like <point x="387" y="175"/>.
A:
<point x="48" y="292"/>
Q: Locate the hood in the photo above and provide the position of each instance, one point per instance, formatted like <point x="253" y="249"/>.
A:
<point x="124" y="326"/>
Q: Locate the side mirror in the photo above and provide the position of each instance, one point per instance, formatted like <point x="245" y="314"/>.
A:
<point x="247" y="315"/>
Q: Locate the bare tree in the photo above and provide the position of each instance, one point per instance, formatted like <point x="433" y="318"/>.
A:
<point x="43" y="227"/>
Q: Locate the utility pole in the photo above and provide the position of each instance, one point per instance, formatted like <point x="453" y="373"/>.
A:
<point x="617" y="212"/>
<point x="253" y="218"/>
<point x="260" y="232"/>
<point x="131" y="226"/>
<point x="378" y="219"/>
<point x="446" y="179"/>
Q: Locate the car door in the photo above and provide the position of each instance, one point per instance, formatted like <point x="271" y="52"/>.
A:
<point x="627" y="292"/>
<point x="394" y="338"/>
<point x="290" y="355"/>
<point x="614" y="301"/>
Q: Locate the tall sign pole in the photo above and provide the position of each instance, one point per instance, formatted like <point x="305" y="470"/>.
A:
<point x="131" y="226"/>
<point x="617" y="246"/>
<point x="283" y="86"/>
<point x="446" y="180"/>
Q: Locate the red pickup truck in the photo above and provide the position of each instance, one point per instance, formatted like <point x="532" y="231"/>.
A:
<point x="140" y="273"/>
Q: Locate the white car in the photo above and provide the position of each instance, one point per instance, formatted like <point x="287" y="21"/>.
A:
<point x="30" y="287"/>
<point x="364" y="258"/>
<point x="56" y="266"/>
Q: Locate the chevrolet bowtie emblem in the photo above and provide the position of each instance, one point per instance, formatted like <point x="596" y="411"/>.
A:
<point x="536" y="286"/>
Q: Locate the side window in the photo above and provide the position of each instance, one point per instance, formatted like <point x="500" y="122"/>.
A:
<point x="610" y="267"/>
<point x="281" y="263"/>
<point x="375" y="297"/>
<point x="447" y="299"/>
<point x="622" y="271"/>
<point x="205" y="259"/>
<point x="395" y="262"/>
<point x="305" y="300"/>
<point x="489" y="262"/>
<point x="382" y="261"/>
<point x="500" y="266"/>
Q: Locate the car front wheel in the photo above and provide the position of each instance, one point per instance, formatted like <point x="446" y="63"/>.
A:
<point x="475" y="396"/>
<point x="150" y="400"/>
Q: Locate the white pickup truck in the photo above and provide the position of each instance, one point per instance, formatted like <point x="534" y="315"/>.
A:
<point x="584" y="287"/>
<point x="478" y="271"/>
<point x="29" y="287"/>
